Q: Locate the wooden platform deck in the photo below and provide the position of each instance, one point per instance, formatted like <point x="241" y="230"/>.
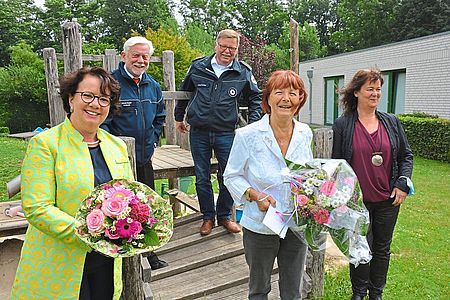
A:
<point x="202" y="267"/>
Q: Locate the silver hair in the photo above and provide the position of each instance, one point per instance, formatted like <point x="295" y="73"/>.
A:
<point x="138" y="40"/>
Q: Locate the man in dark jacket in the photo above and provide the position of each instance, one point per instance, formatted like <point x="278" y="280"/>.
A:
<point x="142" y="111"/>
<point x="219" y="83"/>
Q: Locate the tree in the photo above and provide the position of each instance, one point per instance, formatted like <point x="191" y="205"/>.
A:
<point x="18" y="21"/>
<point x="211" y="15"/>
<point x="309" y="45"/>
<point x="261" y="18"/>
<point x="23" y="90"/>
<point x="415" y="18"/>
<point x="364" y="24"/>
<point x="121" y="17"/>
<point x="261" y="60"/>
<point x="164" y="39"/>
<point x="322" y="14"/>
<point x="198" y="38"/>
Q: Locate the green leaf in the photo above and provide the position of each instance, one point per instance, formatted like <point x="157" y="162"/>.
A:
<point x="151" y="238"/>
<point x="311" y="234"/>
<point x="340" y="238"/>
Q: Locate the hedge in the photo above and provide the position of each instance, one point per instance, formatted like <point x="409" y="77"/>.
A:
<point x="428" y="136"/>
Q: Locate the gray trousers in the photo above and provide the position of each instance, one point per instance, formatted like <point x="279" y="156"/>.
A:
<point x="260" y="253"/>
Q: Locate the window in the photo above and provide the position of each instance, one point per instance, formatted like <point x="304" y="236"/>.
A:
<point x="393" y="92"/>
<point x="332" y="108"/>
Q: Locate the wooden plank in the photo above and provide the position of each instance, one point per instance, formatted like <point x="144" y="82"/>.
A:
<point x="240" y="292"/>
<point x="207" y="279"/>
<point x="177" y="244"/>
<point x="185" y="199"/>
<point x="23" y="135"/>
<point x="191" y="258"/>
<point x="99" y="57"/>
<point x="187" y="219"/>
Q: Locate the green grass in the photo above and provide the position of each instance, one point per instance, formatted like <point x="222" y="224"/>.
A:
<point x="12" y="152"/>
<point x="420" y="267"/>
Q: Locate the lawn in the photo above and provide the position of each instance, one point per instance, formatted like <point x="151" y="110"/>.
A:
<point x="420" y="267"/>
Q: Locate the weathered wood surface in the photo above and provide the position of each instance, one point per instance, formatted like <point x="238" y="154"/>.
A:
<point x="72" y="42"/>
<point x="183" y="198"/>
<point x="11" y="225"/>
<point x="209" y="267"/>
<point x="171" y="161"/>
<point x="294" y="46"/>
<point x="315" y="267"/>
<point x="56" y="109"/>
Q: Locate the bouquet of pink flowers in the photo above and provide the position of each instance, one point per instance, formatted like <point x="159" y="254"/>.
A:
<point x="123" y="218"/>
<point x="326" y="196"/>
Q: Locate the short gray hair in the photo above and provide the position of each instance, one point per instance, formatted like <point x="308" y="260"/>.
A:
<point x="138" y="40"/>
<point x="228" y="34"/>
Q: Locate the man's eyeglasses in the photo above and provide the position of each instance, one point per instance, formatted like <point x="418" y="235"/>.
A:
<point x="223" y="48"/>
<point x="89" y="97"/>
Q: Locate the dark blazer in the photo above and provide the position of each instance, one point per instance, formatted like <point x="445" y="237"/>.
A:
<point x="402" y="156"/>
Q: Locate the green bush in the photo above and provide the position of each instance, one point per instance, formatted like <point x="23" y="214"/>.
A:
<point x="428" y="136"/>
<point x="4" y="131"/>
<point x="23" y="91"/>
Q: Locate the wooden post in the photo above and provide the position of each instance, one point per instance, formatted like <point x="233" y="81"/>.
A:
<point x="72" y="46"/>
<point x="55" y="104"/>
<point x="133" y="285"/>
<point x="323" y="145"/>
<point x="294" y="47"/>
<point x="169" y="85"/>
<point x="110" y="61"/>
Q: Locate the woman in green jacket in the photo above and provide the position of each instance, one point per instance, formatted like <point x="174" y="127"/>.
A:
<point x="60" y="168"/>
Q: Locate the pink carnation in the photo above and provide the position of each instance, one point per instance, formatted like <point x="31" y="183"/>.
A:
<point x="322" y="216"/>
<point x="302" y="200"/>
<point x="152" y="221"/>
<point x="139" y="211"/>
<point x="94" y="221"/>
<point x="127" y="228"/>
<point x="328" y="188"/>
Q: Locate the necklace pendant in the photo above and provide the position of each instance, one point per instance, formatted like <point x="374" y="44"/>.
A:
<point x="377" y="159"/>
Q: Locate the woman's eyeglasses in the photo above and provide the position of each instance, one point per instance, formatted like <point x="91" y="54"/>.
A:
<point x="88" y="97"/>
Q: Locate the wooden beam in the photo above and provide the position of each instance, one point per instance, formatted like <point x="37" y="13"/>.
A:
<point x="294" y="47"/>
<point x="55" y="104"/>
<point x="72" y="46"/>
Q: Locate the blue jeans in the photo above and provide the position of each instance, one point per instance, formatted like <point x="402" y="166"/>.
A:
<point x="202" y="143"/>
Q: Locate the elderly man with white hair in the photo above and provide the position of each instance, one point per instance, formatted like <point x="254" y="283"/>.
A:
<point x="142" y="110"/>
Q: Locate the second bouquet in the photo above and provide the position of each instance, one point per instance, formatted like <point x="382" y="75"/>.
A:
<point x="123" y="218"/>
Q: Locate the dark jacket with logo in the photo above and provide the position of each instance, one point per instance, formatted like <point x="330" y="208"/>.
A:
<point x="402" y="164"/>
<point x="142" y="115"/>
<point x="215" y="103"/>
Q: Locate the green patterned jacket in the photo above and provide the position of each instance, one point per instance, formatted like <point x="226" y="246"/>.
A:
<point x="57" y="174"/>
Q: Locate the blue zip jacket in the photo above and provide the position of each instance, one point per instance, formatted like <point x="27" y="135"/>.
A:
<point x="142" y="115"/>
<point x="215" y="103"/>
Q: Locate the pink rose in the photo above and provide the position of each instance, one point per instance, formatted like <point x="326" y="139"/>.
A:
<point x="302" y="200"/>
<point x="94" y="221"/>
<point x="113" y="207"/>
<point x="328" y="188"/>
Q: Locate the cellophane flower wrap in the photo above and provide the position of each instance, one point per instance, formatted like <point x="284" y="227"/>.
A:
<point x="326" y="196"/>
<point x="122" y="218"/>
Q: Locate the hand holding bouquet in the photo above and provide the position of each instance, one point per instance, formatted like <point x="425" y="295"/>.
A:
<point x="123" y="218"/>
<point x="326" y="197"/>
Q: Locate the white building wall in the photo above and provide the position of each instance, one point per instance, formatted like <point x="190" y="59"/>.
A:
<point x="426" y="61"/>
